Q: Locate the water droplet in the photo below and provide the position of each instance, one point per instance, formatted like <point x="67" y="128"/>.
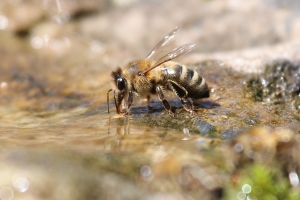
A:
<point x="55" y="45"/>
<point x="183" y="179"/>
<point x="257" y="189"/>
<point x="62" y="17"/>
<point x="250" y="154"/>
<point x="241" y="196"/>
<point x="97" y="47"/>
<point x="46" y="40"/>
<point x="238" y="147"/>
<point x="146" y="172"/>
<point x="37" y="42"/>
<point x="246" y="188"/>
<point x="6" y="193"/>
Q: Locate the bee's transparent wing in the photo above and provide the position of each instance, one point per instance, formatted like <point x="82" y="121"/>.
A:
<point x="175" y="53"/>
<point x="164" y="42"/>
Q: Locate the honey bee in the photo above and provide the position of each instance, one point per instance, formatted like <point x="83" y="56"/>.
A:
<point x="152" y="76"/>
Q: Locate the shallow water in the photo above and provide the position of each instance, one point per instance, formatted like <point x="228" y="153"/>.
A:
<point x="52" y="130"/>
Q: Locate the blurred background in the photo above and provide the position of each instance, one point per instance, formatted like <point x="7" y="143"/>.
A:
<point x="64" y="38"/>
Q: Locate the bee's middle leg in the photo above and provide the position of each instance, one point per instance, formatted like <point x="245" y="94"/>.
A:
<point x="148" y="103"/>
<point x="166" y="104"/>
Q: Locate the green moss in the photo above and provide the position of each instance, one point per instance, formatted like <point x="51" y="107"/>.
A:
<point x="261" y="182"/>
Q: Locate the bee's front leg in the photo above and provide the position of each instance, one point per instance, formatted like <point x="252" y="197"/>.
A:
<point x="130" y="99"/>
<point x="122" y="107"/>
<point x="126" y="106"/>
<point x="125" y="111"/>
<point x="166" y="104"/>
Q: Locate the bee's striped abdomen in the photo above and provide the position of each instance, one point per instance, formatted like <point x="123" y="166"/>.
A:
<point x="189" y="79"/>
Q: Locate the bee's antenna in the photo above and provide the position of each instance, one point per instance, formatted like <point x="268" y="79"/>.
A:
<point x="108" y="99"/>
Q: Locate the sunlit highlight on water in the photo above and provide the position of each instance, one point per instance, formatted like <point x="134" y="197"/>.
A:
<point x="200" y="142"/>
<point x="3" y="85"/>
<point x="3" y="22"/>
<point x="294" y="179"/>
<point x="54" y="44"/>
<point x="21" y="183"/>
<point x="186" y="132"/>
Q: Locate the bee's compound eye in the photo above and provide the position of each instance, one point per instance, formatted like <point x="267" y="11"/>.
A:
<point x="121" y="83"/>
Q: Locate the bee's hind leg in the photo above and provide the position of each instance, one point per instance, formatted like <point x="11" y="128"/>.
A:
<point x="187" y="104"/>
<point x="182" y="93"/>
<point x="166" y="104"/>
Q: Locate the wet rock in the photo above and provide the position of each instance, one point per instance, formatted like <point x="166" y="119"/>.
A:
<point x="279" y="84"/>
<point x="229" y="110"/>
<point x="205" y="128"/>
<point x="230" y="134"/>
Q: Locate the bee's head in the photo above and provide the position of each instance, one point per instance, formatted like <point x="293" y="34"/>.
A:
<point x="121" y="89"/>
